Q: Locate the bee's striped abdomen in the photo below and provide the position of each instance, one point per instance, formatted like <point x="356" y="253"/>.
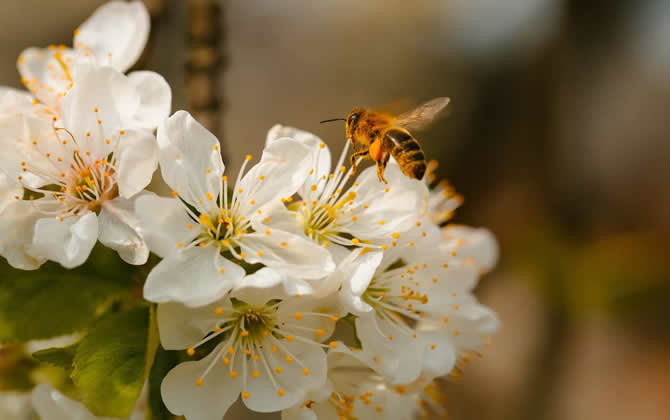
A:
<point x="407" y="152"/>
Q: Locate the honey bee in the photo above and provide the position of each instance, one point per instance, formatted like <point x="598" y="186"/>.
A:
<point x="379" y="135"/>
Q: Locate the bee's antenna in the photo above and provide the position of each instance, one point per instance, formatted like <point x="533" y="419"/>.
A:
<point x="332" y="119"/>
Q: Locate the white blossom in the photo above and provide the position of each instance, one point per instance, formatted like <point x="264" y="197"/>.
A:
<point x="389" y="298"/>
<point x="115" y="36"/>
<point x="82" y="169"/>
<point x="354" y="391"/>
<point x="270" y="351"/>
<point x="368" y="213"/>
<point x="206" y="235"/>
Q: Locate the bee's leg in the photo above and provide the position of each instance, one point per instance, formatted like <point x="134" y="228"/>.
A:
<point x="354" y="159"/>
<point x="381" y="166"/>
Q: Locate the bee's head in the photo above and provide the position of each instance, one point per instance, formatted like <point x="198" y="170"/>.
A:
<point x="352" y="121"/>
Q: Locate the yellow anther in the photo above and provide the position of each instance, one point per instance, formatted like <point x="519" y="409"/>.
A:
<point x="381" y="222"/>
<point x="384" y="247"/>
<point x="231" y="350"/>
<point x="273" y="348"/>
<point x="289" y="338"/>
<point x="320" y="332"/>
<point x="248" y="157"/>
<point x="322" y="145"/>
<point x="255" y="374"/>
<point x="298" y="316"/>
<point x="284" y="244"/>
<point x="222" y="270"/>
<point x="190" y="351"/>
<point x="333" y="344"/>
<point x="278" y="369"/>
<point x="313" y="187"/>
<point x="289" y="359"/>
<point x="245" y="395"/>
<point x="179" y="244"/>
<point x="199" y="382"/>
<point x="280" y="392"/>
<point x="233" y="374"/>
<point x="395" y="235"/>
<point x="208" y="170"/>
<point x="244" y="333"/>
<point x="175" y="193"/>
<point x="355" y="241"/>
<point x="226" y="361"/>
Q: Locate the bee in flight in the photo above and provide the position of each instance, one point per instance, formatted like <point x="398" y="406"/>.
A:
<point x="379" y="135"/>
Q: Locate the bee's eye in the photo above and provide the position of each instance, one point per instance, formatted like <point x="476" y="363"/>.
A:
<point x="352" y="120"/>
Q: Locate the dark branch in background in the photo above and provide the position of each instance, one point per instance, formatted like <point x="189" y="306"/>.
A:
<point x="203" y="62"/>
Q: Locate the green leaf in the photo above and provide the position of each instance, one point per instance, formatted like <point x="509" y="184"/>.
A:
<point x="40" y="305"/>
<point x="164" y="362"/>
<point x="61" y="357"/>
<point x="112" y="362"/>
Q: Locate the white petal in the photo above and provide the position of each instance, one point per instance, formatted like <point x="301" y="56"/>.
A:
<point x="137" y="161"/>
<point x="105" y="90"/>
<point x="26" y="138"/>
<point x="209" y="401"/>
<point x="263" y="278"/>
<point x="282" y="169"/>
<point x="189" y="158"/>
<point x="363" y="270"/>
<point x="353" y="274"/>
<point x="9" y="191"/>
<point x="391" y="208"/>
<point x="193" y="277"/>
<point x="15" y="101"/>
<point x="118" y="231"/>
<point x="155" y="98"/>
<point x="52" y="405"/>
<point x="68" y="242"/>
<point x="164" y="223"/>
<point x="392" y="351"/>
<point x="439" y="356"/>
<point x="264" y="397"/>
<point x="180" y="327"/>
<point x="287" y="253"/>
<point x="45" y="76"/>
<point x="17" y="224"/>
<point x="116" y="33"/>
<point x="320" y="156"/>
<point x="476" y="243"/>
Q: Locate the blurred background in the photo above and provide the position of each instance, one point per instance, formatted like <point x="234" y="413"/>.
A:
<point x="557" y="137"/>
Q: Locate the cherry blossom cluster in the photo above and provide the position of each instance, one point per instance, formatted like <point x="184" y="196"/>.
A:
<point x="295" y="285"/>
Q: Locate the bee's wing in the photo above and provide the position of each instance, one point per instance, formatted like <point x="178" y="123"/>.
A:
<point x="421" y="116"/>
